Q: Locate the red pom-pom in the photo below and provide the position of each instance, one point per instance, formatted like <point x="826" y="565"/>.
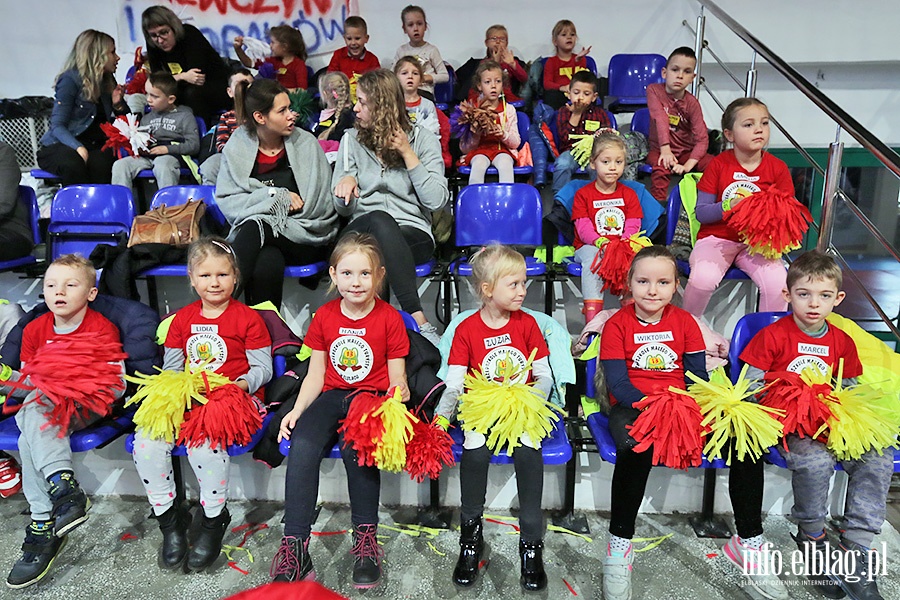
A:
<point x="116" y="140"/>
<point x="77" y="377"/>
<point x="770" y="222"/>
<point x="428" y="451"/>
<point x="613" y="266"/>
<point x="361" y="430"/>
<point x="671" y="423"/>
<point x="803" y="404"/>
<point x="229" y="417"/>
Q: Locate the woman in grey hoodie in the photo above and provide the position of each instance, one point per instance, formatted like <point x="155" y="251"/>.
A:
<point x="388" y="178"/>
<point x="273" y="189"/>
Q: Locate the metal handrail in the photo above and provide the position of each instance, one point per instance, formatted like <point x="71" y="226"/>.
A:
<point x="879" y="149"/>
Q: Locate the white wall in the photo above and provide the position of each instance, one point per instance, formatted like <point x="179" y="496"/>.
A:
<point x="851" y="43"/>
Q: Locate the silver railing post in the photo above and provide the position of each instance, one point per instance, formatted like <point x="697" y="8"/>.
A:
<point x="698" y="50"/>
<point x="751" y="78"/>
<point x="832" y="180"/>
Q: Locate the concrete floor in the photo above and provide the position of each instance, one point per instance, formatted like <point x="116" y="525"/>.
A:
<point x="113" y="556"/>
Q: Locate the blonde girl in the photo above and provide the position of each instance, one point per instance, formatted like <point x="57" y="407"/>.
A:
<point x="359" y="322"/>
<point x="565" y="62"/>
<point x="601" y="210"/>
<point x="499" y="331"/>
<point x="242" y="351"/>
<point x="337" y="114"/>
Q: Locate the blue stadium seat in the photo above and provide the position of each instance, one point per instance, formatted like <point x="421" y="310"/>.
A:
<point x="94" y="436"/>
<point x="233" y="449"/>
<point x="629" y="76"/>
<point x="443" y="92"/>
<point x="522" y="124"/>
<point x="28" y="199"/>
<point x="641" y="122"/>
<point x="555" y="448"/>
<point x="148" y="173"/>
<point x="83" y="216"/>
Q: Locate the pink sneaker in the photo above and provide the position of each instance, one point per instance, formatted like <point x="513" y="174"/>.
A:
<point x="752" y="564"/>
<point x="10" y="477"/>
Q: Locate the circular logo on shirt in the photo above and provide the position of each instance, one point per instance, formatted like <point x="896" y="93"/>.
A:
<point x="655" y="357"/>
<point x="351" y="357"/>
<point x="739" y="189"/>
<point x="206" y="348"/>
<point x="609" y="221"/>
<point x="500" y="361"/>
<point x="802" y="362"/>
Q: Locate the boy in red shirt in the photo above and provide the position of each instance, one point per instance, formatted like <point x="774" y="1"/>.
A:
<point x="678" y="136"/>
<point x="802" y="340"/>
<point x="354" y="60"/>
<point x="58" y="504"/>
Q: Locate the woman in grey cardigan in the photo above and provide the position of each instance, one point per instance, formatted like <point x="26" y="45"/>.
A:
<point x="273" y="189"/>
<point x="388" y="178"/>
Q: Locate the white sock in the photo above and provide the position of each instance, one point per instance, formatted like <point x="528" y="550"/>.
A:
<point x="618" y="545"/>
<point x="753" y="543"/>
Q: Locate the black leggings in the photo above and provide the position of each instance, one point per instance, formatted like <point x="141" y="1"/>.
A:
<point x="629" y="482"/>
<point x="262" y="265"/>
<point x="16" y="246"/>
<point x="403" y="248"/>
<point x="529" y="463"/>
<point x="311" y="440"/>
<point x="65" y="162"/>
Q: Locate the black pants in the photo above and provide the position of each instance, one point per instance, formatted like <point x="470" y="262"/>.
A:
<point x="403" y="248"/>
<point x="71" y="168"/>
<point x="262" y="264"/>
<point x="311" y="440"/>
<point x="16" y="246"/>
<point x="629" y="482"/>
<point x="529" y="464"/>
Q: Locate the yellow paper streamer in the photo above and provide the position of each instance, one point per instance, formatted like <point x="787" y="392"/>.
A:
<point x="390" y="453"/>
<point x="654" y="542"/>
<point x="551" y="527"/>
<point x="435" y="550"/>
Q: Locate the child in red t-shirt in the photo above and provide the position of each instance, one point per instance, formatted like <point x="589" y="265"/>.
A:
<point x="647" y="345"/>
<point x="559" y="68"/>
<point x="601" y="210"/>
<point x="222" y="335"/>
<point x="358" y="342"/>
<point x="728" y="179"/>
<point x="354" y="59"/>
<point x="288" y="57"/>
<point x="495" y="335"/>
<point x="58" y="504"/>
<point x="804" y="339"/>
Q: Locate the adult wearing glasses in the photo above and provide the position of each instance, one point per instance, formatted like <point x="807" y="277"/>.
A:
<point x="181" y="50"/>
<point x="496" y="44"/>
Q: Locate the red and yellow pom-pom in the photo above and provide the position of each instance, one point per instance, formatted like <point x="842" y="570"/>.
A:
<point x="76" y="376"/>
<point x="228" y="417"/>
<point x="801" y="399"/>
<point x="429" y="450"/>
<point x="378" y="428"/>
<point x="770" y="222"/>
<point x="617" y="255"/>
<point x="670" y="421"/>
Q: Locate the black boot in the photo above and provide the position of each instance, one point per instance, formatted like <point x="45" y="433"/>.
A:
<point x="208" y="545"/>
<point x="817" y="552"/>
<point x="367" y="566"/>
<point x="471" y="547"/>
<point x="174" y="525"/>
<point x="292" y="561"/>
<point x="533" y="576"/>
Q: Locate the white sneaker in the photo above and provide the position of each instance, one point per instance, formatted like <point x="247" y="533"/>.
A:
<point x="430" y="333"/>
<point x="617" y="576"/>
<point x="747" y="560"/>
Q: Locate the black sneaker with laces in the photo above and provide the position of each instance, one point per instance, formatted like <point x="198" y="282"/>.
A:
<point x="39" y="551"/>
<point x="816" y="551"/>
<point x="860" y="584"/>
<point x="70" y="504"/>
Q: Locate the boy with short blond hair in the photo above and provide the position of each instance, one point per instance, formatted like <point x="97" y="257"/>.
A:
<point x="801" y="340"/>
<point x="353" y="59"/>
<point x="58" y="504"/>
<point x="678" y="135"/>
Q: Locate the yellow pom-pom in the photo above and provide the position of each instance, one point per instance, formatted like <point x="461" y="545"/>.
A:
<point x="504" y="410"/>
<point x="729" y="416"/>
<point x="863" y="419"/>
<point x="390" y="451"/>
<point x="166" y="396"/>
<point x="581" y="150"/>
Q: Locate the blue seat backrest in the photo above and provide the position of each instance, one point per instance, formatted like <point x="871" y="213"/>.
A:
<point x="75" y="205"/>
<point x="443" y="92"/>
<point x="508" y="213"/>
<point x="630" y="74"/>
<point x="29" y="200"/>
<point x="746" y="328"/>
<point x="673" y="210"/>
<point x="641" y="121"/>
<point x="179" y="194"/>
<point x="201" y="126"/>
<point x="522" y="124"/>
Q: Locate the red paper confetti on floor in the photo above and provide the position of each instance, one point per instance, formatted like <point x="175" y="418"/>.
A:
<point x="234" y="566"/>
<point x="499" y="522"/>
<point x="571" y="589"/>
<point x="128" y="536"/>
<point x="712" y="555"/>
<point x="329" y="532"/>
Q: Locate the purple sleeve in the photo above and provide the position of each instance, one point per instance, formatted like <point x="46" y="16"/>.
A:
<point x="708" y="210"/>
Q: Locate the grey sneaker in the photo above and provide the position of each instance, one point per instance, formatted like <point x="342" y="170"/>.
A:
<point x="860" y="584"/>
<point x="617" y="576"/>
<point x="430" y="333"/>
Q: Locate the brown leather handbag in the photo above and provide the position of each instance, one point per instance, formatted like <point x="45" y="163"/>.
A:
<point x="173" y="225"/>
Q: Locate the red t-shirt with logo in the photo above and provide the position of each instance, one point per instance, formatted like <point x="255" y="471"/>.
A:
<point x="357" y="351"/>
<point x="607" y="212"/>
<point x="558" y="73"/>
<point x="477" y="346"/>
<point x="40" y="331"/>
<point x="292" y="75"/>
<point x="653" y="353"/>
<point x="223" y="341"/>
<point x="783" y="346"/>
<point x="724" y="177"/>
